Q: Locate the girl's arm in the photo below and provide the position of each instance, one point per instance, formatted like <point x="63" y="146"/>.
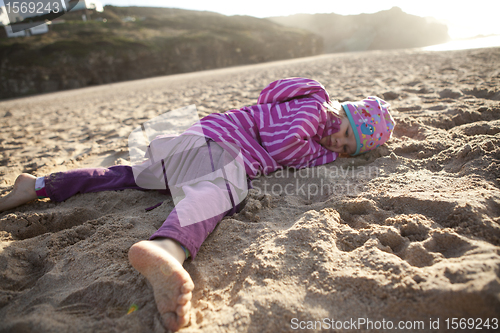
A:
<point x="299" y="151"/>
<point x="297" y="120"/>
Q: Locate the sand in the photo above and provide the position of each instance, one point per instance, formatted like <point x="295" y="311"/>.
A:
<point x="409" y="232"/>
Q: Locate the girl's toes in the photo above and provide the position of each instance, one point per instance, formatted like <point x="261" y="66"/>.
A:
<point x="187" y="287"/>
<point x="184" y="298"/>
<point x="170" y="321"/>
<point x="182" y="310"/>
<point x="183" y="321"/>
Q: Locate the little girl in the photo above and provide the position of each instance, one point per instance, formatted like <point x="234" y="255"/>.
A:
<point x="293" y="124"/>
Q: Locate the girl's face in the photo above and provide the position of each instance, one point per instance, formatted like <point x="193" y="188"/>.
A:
<point x="342" y="142"/>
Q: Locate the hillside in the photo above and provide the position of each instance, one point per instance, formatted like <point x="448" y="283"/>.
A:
<point x="389" y="29"/>
<point x="149" y="42"/>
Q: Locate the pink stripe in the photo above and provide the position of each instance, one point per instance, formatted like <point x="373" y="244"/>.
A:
<point x="275" y="130"/>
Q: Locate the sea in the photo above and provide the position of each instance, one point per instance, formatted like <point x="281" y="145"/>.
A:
<point x="464" y="44"/>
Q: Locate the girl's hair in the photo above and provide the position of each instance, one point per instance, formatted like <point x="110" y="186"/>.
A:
<point x="335" y="107"/>
<point x="342" y="113"/>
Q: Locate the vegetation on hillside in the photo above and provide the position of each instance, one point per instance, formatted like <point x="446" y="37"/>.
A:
<point x="388" y="29"/>
<point x="125" y="43"/>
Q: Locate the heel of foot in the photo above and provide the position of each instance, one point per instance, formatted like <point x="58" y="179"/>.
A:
<point x="23" y="192"/>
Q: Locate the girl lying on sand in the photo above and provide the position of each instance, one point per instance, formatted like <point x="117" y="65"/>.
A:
<point x="294" y="124"/>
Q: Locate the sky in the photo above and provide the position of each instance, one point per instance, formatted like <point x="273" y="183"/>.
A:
<point x="464" y="18"/>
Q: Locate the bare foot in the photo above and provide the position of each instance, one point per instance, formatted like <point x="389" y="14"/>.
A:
<point x="23" y="192"/>
<point x="161" y="263"/>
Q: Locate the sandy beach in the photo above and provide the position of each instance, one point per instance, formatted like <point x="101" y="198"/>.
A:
<point x="408" y="233"/>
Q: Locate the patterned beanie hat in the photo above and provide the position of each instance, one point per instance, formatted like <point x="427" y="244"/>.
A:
<point x="371" y="122"/>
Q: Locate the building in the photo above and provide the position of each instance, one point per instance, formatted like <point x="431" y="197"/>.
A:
<point x="36" y="30"/>
<point x="4" y="21"/>
<point x="86" y="5"/>
<point x="4" y="18"/>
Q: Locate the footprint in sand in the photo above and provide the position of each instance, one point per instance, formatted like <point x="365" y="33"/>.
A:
<point x="28" y="225"/>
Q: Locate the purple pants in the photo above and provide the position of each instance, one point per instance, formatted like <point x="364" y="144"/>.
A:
<point x="62" y="185"/>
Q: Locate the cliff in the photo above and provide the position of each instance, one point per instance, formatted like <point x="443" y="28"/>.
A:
<point x="153" y="42"/>
<point x="389" y="29"/>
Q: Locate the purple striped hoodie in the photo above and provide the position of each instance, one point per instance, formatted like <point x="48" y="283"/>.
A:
<point x="282" y="130"/>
